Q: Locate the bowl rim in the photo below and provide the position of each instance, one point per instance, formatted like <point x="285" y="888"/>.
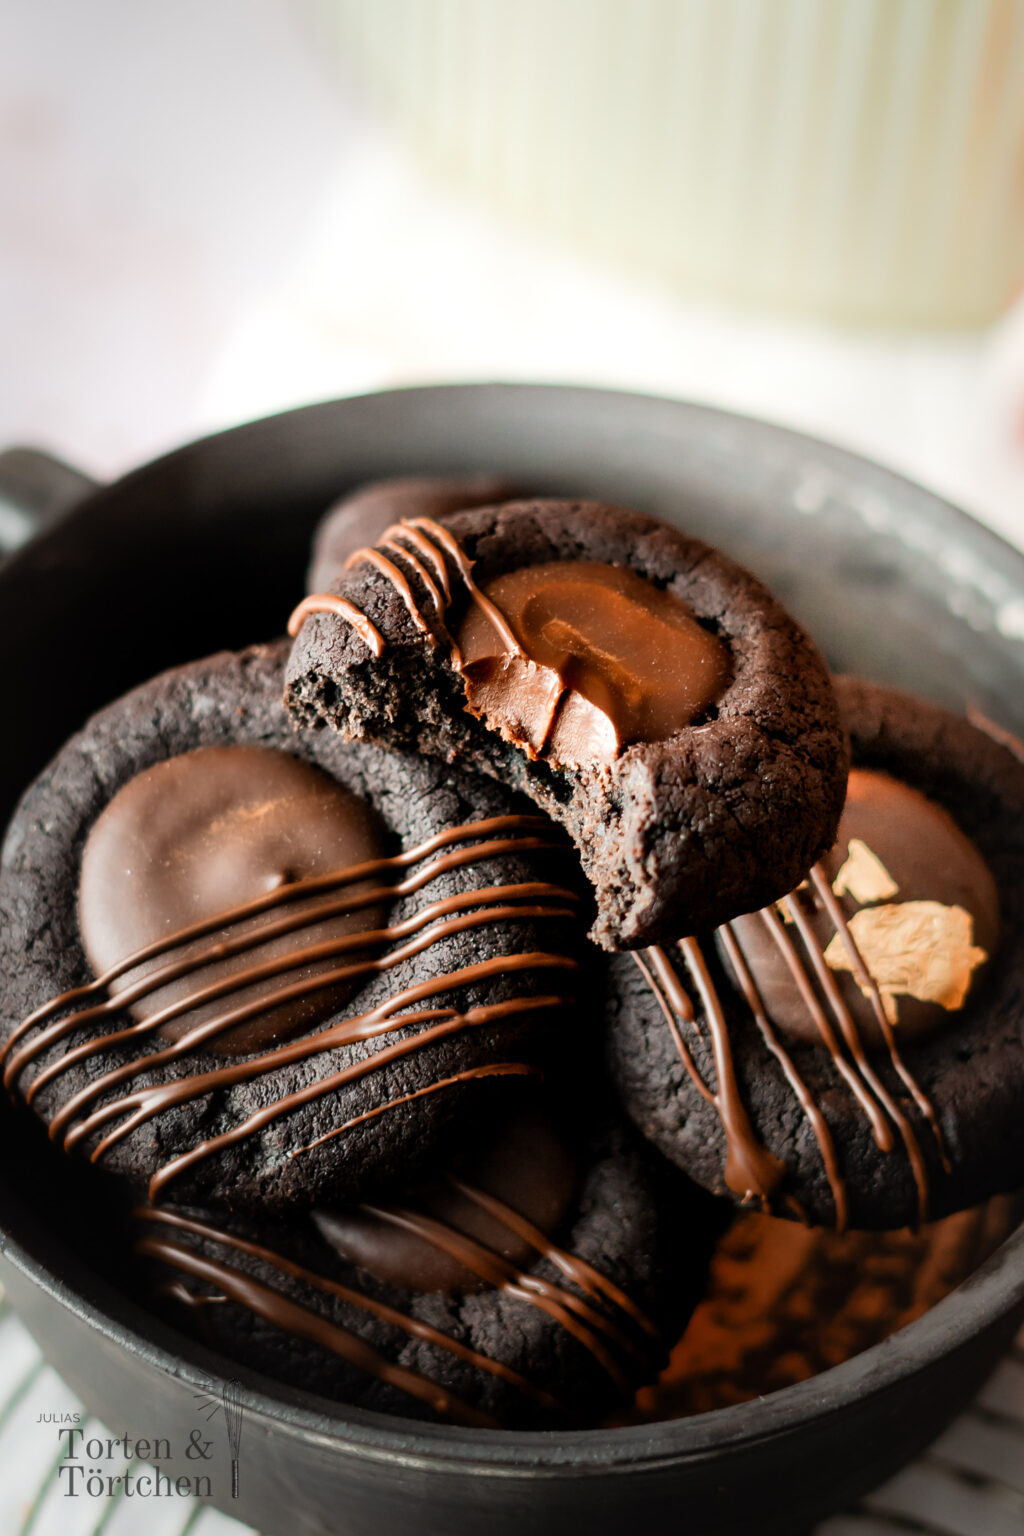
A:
<point x="990" y="1294"/>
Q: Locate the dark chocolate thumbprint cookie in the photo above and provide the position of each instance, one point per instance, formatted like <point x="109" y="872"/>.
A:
<point x="854" y="1053"/>
<point x="365" y="515"/>
<point x="644" y="690"/>
<point x="260" y="968"/>
<point x="535" y="1282"/>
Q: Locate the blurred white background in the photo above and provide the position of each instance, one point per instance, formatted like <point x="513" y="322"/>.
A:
<point x="200" y="222"/>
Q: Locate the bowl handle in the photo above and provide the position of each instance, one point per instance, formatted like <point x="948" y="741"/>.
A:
<point x="36" y="490"/>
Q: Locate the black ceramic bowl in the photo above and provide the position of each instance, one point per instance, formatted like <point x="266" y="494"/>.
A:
<point x="206" y="548"/>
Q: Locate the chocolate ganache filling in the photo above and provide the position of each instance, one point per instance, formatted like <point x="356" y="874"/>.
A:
<point x="919" y="902"/>
<point x="571" y="660"/>
<point x="604" y="658"/>
<point x="524" y="1168"/>
<point x="206" y="832"/>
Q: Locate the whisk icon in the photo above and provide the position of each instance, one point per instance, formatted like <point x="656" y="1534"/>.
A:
<point x="231" y="1399"/>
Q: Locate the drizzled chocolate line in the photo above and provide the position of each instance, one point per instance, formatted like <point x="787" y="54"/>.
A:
<point x="489" y="899"/>
<point x="275" y="1308"/>
<point x="397" y="579"/>
<point x="743" y="1151"/>
<point x="660" y="976"/>
<point x="280" y="1311"/>
<point x="576" y="1316"/>
<point x="177" y="1290"/>
<point x="361" y="1028"/>
<point x="454" y="1023"/>
<point x="578" y="1270"/>
<point x="751" y="1171"/>
<point x="816" y="1120"/>
<point x="862" y="975"/>
<point x="870" y="1080"/>
<point x="311" y="886"/>
<point x="324" y="602"/>
<point x="749" y="1164"/>
<point x="149" y="1102"/>
<point x="879" y="1125"/>
<point x="752" y="1154"/>
<point x="492" y="1069"/>
<point x="408" y="533"/>
<point x="852" y="1037"/>
<point x="453" y="549"/>
<point x="433" y="542"/>
<point x="426" y="548"/>
<point x="213" y="1027"/>
<point x="591" y="1325"/>
<point x="436" y="921"/>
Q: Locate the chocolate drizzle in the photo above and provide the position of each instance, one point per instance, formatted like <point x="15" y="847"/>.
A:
<point x="570" y="660"/>
<point x="589" y="1279"/>
<point x="266" y="1301"/>
<point x="471" y="1074"/>
<point x="613" y="1329"/>
<point x="585" y="1322"/>
<point x="420" y="542"/>
<point x="816" y="1120"/>
<point x="377" y="951"/>
<point x="751" y="1171"/>
<point x="324" y="602"/>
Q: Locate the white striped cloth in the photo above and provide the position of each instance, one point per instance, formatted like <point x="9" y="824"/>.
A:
<point x="969" y="1483"/>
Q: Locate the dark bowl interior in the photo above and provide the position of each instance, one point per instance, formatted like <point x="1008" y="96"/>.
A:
<point x="206" y="548"/>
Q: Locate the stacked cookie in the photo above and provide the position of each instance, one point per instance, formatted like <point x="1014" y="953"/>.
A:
<point x="297" y="949"/>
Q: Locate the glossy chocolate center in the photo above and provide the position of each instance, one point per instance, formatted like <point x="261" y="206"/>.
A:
<point x="921" y="906"/>
<point x="525" y="1165"/>
<point x="204" y="833"/>
<point x="606" y="659"/>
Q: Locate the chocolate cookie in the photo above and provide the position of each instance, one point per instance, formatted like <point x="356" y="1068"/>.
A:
<point x="855" y="1052"/>
<point x="257" y="968"/>
<point x="639" y="686"/>
<point x="534" y="1284"/>
<point x="365" y="514"/>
